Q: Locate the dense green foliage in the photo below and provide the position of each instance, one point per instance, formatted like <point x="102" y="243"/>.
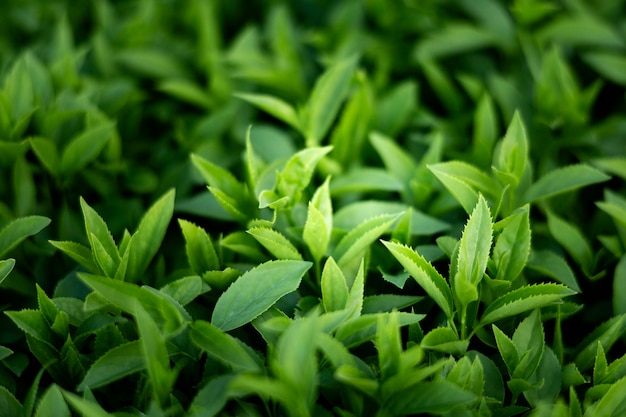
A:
<point x="414" y="207"/>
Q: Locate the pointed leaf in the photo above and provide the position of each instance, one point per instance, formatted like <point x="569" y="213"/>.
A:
<point x="6" y="266"/>
<point x="334" y="287"/>
<point x="19" y="229"/>
<point x="562" y="180"/>
<point x="275" y="242"/>
<point x="256" y="291"/>
<point x="77" y="252"/>
<point x="274" y="106"/>
<point x="512" y="247"/>
<point x="85" y="147"/>
<point x="115" y="364"/>
<point x="149" y="235"/>
<point x="524" y="299"/>
<point x="475" y="244"/>
<point x="425" y="274"/>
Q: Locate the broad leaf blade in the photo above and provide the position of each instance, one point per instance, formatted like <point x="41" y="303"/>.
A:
<point x="276" y="243"/>
<point x="115" y="364"/>
<point x="524" y="299"/>
<point x="256" y="291"/>
<point x="562" y="180"/>
<point x="19" y="229"/>
<point x="274" y="106"/>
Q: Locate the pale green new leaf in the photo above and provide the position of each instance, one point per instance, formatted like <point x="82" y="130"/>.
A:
<point x="256" y="291"/>
<point x="512" y="154"/>
<point x="274" y="106"/>
<point x="523" y="299"/>
<point x="85" y="147"/>
<point x="298" y="171"/>
<point x="512" y="245"/>
<point x="425" y="274"/>
<point x="276" y="243"/>
<point x="224" y="347"/>
<point x="149" y="235"/>
<point x="19" y="229"/>
<point x="613" y="402"/>
<point x="485" y="131"/>
<point x="475" y="244"/>
<point x="562" y="180"/>
<point x="508" y="350"/>
<point x="444" y="339"/>
<point x="118" y="362"/>
<point x="334" y="287"/>
<point x="359" y="238"/>
<point x="329" y="92"/>
<point x="316" y="234"/>
<point x="201" y="254"/>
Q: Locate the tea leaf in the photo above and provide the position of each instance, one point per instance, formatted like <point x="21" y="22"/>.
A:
<point x="619" y="287"/>
<point x="9" y="404"/>
<point x="275" y="242"/>
<point x="358" y="239"/>
<point x="428" y="397"/>
<point x="609" y="64"/>
<point x="33" y="323"/>
<point x="52" y="404"/>
<point x="185" y="290"/>
<point x="334" y="287"/>
<point x="395" y="109"/>
<point x="6" y="266"/>
<point x="523" y="299"/>
<point x="98" y="233"/>
<point x="365" y="180"/>
<point x="85" y="147"/>
<point x="77" y="252"/>
<point x="512" y="154"/>
<point x="396" y="160"/>
<point x="154" y="354"/>
<point x="115" y="364"/>
<point x="444" y="339"/>
<point x="47" y="153"/>
<point x="475" y="244"/>
<point x="570" y="237"/>
<point x="562" y="180"/>
<point x="149" y="235"/>
<point x="84" y="406"/>
<point x="425" y="274"/>
<point x="330" y="90"/>
<point x="19" y="229"/>
<point x="316" y="233"/>
<point x="388" y="344"/>
<point x="256" y="291"/>
<point x="554" y="266"/>
<point x="274" y="106"/>
<point x="512" y="247"/>
<point x="607" y="334"/>
<point x="485" y="131"/>
<point x="201" y="254"/>
<point x="224" y="347"/>
<point x="297" y="173"/>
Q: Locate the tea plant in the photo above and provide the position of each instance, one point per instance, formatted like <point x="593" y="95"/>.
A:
<point x="312" y="208"/>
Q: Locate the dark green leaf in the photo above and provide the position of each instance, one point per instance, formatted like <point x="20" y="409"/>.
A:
<point x="19" y="229"/>
<point x="85" y="147"/>
<point x="562" y="180"/>
<point x="115" y="364"/>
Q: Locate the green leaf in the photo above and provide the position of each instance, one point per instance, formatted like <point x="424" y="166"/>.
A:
<point x="84" y="406"/>
<point x="256" y="291"/>
<point x="298" y="171"/>
<point x="512" y="247"/>
<point x="201" y="254"/>
<point x="357" y="240"/>
<point x="388" y="344"/>
<point x="33" y="323"/>
<point x="6" y="266"/>
<point x="329" y="92"/>
<point x="274" y="106"/>
<point x="149" y="235"/>
<point x="124" y="295"/>
<point x="155" y="355"/>
<point x="396" y="160"/>
<point x="607" y="334"/>
<point x="187" y="91"/>
<point x="47" y="153"/>
<point x="552" y="265"/>
<point x="485" y="131"/>
<point x="334" y="287"/>
<point x="275" y="242"/>
<point x="611" y="65"/>
<point x="224" y="347"/>
<point x="316" y="233"/>
<point x="619" y="287"/>
<point x="529" y="341"/>
<point x="612" y="402"/>
<point x="444" y="339"/>
<point x="19" y="229"/>
<point x="85" y="147"/>
<point x="395" y="109"/>
<point x="381" y="303"/>
<point x="572" y="239"/>
<point x="78" y="253"/>
<point x="9" y="405"/>
<point x="350" y="216"/>
<point x="115" y="364"/>
<point x="52" y="404"/>
<point x="455" y="38"/>
<point x="475" y="245"/>
<point x="429" y="398"/>
<point x="185" y="290"/>
<point x="512" y="153"/>
<point x="562" y="180"/>
<point x="523" y="299"/>
<point x="362" y="180"/>
<point x="153" y="63"/>
<point x="508" y="349"/>
<point x="425" y="274"/>
<point x="100" y="238"/>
